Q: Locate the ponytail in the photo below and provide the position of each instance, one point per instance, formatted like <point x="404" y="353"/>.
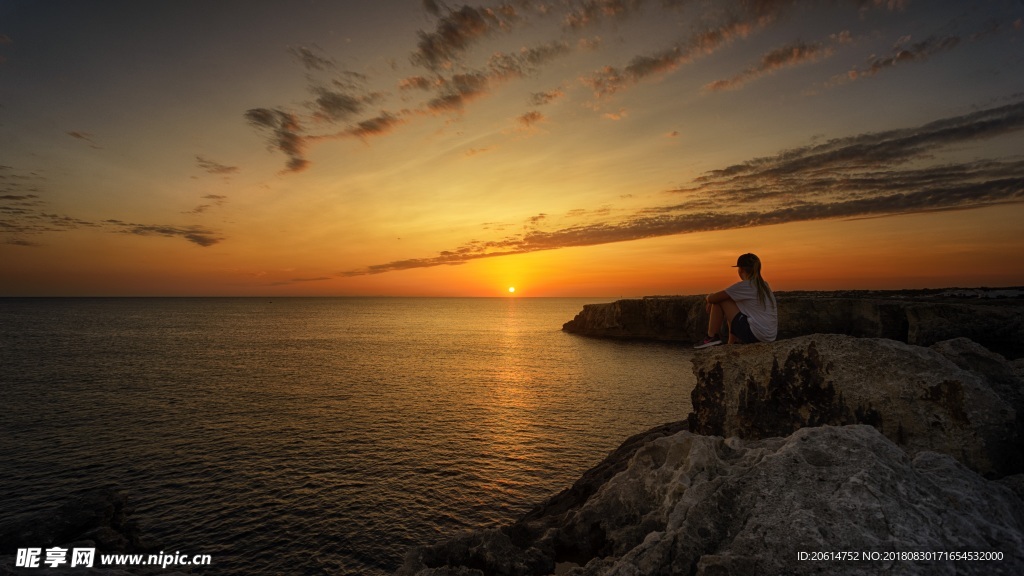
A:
<point x="764" y="291"/>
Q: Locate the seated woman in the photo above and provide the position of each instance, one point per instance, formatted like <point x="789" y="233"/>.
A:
<point x="748" y="306"/>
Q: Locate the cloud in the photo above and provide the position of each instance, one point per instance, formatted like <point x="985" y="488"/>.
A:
<point x="433" y="8"/>
<point x="610" y="80"/>
<point x="215" y="167"/>
<point x="615" y="116"/>
<point x="591" y="12"/>
<point x="195" y="234"/>
<point x="216" y="200"/>
<point x="458" y="90"/>
<point x="310" y="59"/>
<point x="530" y="119"/>
<point x="785" y="56"/>
<point x="904" y="53"/>
<point x="286" y="134"/>
<point x="506" y="66"/>
<point x="334" y="106"/>
<point x="736" y="20"/>
<point x="376" y="126"/>
<point x="343" y="97"/>
<point x="879" y="149"/>
<point x="451" y="85"/>
<point x="453" y="70"/>
<point x="299" y="281"/>
<point x="417" y="83"/>
<point x="85" y="137"/>
<point x="25" y="214"/>
<point x="21" y="241"/>
<point x="862" y="176"/>
<point x="544" y="98"/>
<point x="456" y="32"/>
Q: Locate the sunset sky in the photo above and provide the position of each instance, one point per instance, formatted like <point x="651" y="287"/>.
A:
<point x="564" y="147"/>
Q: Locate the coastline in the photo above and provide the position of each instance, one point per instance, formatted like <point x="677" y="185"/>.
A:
<point x="941" y="408"/>
<point x="993" y="317"/>
<point x="848" y="442"/>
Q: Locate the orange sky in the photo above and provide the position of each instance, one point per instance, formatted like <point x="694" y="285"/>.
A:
<point x="581" y="148"/>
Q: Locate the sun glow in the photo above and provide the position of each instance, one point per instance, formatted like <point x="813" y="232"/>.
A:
<point x="511" y="289"/>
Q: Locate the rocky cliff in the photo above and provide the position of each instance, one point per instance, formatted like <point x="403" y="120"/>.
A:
<point x="922" y="399"/>
<point x="796" y="452"/>
<point x="993" y="318"/>
<point x="704" y="505"/>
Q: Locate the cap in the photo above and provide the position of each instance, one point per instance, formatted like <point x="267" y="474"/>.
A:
<point x="746" y="261"/>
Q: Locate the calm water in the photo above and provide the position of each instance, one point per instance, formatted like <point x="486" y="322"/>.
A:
<point x="315" y="436"/>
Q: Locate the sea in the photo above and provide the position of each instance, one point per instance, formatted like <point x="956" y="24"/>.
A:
<point x="315" y="435"/>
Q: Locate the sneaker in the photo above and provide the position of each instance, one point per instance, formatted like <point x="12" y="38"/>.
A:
<point x="708" y="342"/>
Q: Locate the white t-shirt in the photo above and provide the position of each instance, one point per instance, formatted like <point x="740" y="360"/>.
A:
<point x="764" y="320"/>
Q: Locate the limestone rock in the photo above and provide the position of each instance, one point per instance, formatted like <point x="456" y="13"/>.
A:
<point x="918" y="397"/>
<point x="679" y="318"/>
<point x="690" y="504"/>
<point x="906" y="316"/>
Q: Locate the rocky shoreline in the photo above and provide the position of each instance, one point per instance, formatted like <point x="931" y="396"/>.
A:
<point x="897" y="453"/>
<point x="880" y="428"/>
<point x="992" y="317"/>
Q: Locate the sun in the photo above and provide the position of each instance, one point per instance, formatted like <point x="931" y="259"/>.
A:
<point x="511" y="289"/>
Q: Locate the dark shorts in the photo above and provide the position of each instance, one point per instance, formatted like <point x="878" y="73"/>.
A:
<point x="740" y="328"/>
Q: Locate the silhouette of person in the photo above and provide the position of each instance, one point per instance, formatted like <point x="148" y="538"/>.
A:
<point x="748" y="306"/>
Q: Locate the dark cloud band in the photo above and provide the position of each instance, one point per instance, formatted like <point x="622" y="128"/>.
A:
<point x="863" y="176"/>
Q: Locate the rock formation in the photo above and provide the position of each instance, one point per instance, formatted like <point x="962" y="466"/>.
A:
<point x="923" y="399"/>
<point x="692" y="504"/>
<point x="914" y="317"/>
<point x="820" y="454"/>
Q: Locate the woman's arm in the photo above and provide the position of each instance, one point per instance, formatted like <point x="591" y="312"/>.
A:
<point x="717" y="297"/>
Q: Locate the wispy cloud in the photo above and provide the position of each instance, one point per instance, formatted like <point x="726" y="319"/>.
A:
<point x="592" y="12"/>
<point x="85" y="137"/>
<point x="785" y="56"/>
<point x="547" y="97"/>
<point x="530" y="119"/>
<point x="312" y="59"/>
<point x="24" y="214"/>
<point x="610" y="79"/>
<point x="905" y="52"/>
<point x="449" y="67"/>
<point x="382" y="124"/>
<point x="212" y="167"/>
<point x="214" y="200"/>
<point x="458" y="90"/>
<point x="456" y="31"/>
<point x="195" y="234"/>
<point x="284" y="133"/>
<point x="867" y="175"/>
<point x="299" y="281"/>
